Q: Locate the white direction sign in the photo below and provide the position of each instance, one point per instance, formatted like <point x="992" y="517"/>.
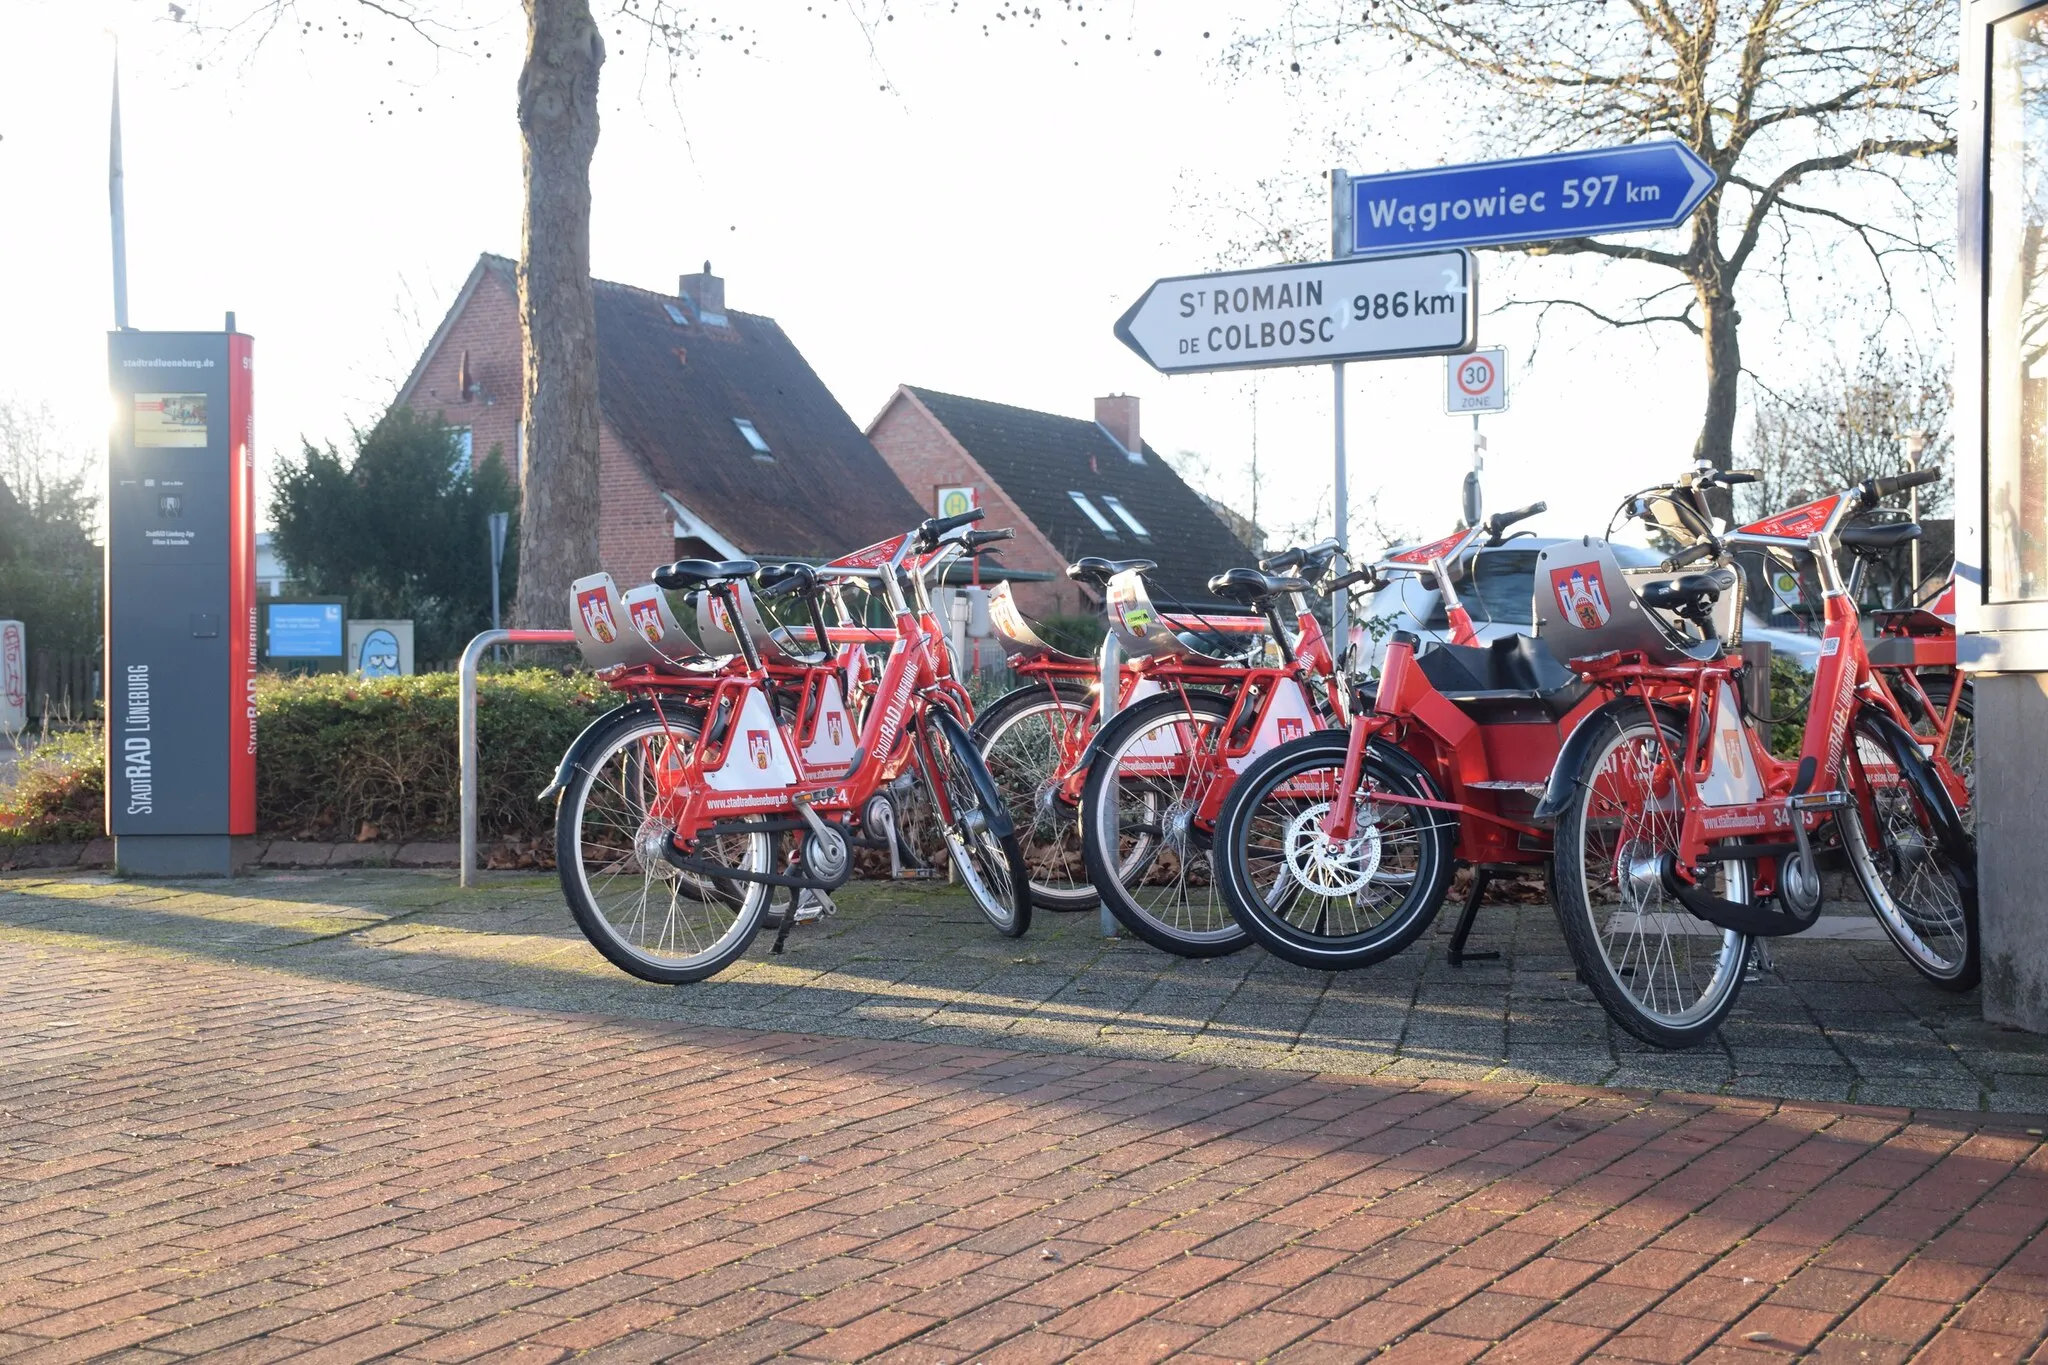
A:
<point x="1373" y="308"/>
<point x="1477" y="382"/>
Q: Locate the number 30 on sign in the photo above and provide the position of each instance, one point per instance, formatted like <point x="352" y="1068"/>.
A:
<point x="1477" y="382"/>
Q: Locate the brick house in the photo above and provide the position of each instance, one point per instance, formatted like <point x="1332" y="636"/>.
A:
<point x="1070" y="487"/>
<point x="715" y="437"/>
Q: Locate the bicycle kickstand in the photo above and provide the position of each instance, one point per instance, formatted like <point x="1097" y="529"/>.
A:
<point x="1457" y="955"/>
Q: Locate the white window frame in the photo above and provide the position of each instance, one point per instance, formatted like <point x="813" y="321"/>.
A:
<point x="1093" y="513"/>
<point x="751" y="434"/>
<point x="465" y="444"/>
<point x="1123" y="514"/>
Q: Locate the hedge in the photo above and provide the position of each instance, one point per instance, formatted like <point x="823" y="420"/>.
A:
<point x="347" y="758"/>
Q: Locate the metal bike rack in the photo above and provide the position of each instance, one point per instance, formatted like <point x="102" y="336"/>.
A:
<point x="467" y="725"/>
<point x="1112" y="665"/>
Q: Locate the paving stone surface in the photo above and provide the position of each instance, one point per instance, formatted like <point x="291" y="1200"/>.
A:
<point x="363" y="1115"/>
<point x="1838" y="1018"/>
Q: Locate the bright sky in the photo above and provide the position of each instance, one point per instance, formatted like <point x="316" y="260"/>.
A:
<point x="976" y="227"/>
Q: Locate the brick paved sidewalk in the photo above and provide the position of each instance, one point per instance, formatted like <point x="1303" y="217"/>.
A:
<point x="209" y="1158"/>
<point x="1841" y="1018"/>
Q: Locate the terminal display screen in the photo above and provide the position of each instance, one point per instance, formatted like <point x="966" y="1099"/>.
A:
<point x="303" y="630"/>
<point x="170" y="419"/>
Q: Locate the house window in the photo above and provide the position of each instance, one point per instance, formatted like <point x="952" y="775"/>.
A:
<point x="1093" y="513"/>
<point x="753" y="437"/>
<point x="464" y="441"/>
<point x="677" y="315"/>
<point x="1123" y="514"/>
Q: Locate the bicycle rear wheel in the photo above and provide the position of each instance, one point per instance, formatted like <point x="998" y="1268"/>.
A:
<point x="1027" y="737"/>
<point x="1154" y="769"/>
<point x="1332" y="904"/>
<point x="1920" y="885"/>
<point x="1667" y="977"/>
<point x="989" y="865"/>
<point x="647" y="916"/>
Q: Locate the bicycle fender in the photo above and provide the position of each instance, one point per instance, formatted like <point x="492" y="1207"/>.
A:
<point x="1578" y="747"/>
<point x="573" y="755"/>
<point x="1927" y="785"/>
<point x="999" y="822"/>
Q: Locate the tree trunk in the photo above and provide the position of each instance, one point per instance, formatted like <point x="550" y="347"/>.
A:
<point x="1716" y="443"/>
<point x="558" y="127"/>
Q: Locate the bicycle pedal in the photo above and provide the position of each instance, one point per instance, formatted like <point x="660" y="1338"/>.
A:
<point x="916" y="874"/>
<point x="1836" y="800"/>
<point x="813" y="906"/>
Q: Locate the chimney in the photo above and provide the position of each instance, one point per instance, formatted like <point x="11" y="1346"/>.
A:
<point x="706" y="292"/>
<point x="1118" y="415"/>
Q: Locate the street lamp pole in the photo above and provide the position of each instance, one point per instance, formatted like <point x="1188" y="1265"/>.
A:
<point x="1916" y="446"/>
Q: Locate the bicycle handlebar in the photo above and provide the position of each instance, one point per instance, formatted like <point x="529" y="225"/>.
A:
<point x="1356" y="576"/>
<point x="928" y="532"/>
<point x="1884" y="486"/>
<point x="1706" y="549"/>
<point x="976" y="540"/>
<point x="1500" y="521"/>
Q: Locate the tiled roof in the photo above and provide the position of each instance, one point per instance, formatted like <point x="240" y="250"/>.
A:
<point x="1040" y="459"/>
<point x="672" y="391"/>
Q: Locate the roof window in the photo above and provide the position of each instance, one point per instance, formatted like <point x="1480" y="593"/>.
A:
<point x="1123" y="514"/>
<point x="677" y="315"/>
<point x="1093" y="513"/>
<point x="753" y="437"/>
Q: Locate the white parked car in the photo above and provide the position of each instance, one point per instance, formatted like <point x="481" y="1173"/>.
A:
<point x="1497" y="584"/>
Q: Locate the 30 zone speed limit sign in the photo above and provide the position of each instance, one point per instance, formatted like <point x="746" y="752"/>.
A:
<point x="1477" y="382"/>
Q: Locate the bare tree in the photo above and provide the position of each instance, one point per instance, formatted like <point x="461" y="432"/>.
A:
<point x="1848" y="423"/>
<point x="1816" y="115"/>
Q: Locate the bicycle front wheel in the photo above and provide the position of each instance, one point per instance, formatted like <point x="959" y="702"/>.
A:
<point x="989" y="865"/>
<point x="1922" y="890"/>
<point x="1332" y="904"/>
<point x="647" y="916"/>
<point x="1666" y="976"/>
<point x="1029" y="738"/>
<point x="1155" y="769"/>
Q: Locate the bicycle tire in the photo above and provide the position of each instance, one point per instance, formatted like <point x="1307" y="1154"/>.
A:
<point x="1308" y="903"/>
<point x="990" y="866"/>
<point x="598" y="820"/>
<point x="1023" y="763"/>
<point x="1645" y="916"/>
<point x="1119" y="873"/>
<point x="1937" y="933"/>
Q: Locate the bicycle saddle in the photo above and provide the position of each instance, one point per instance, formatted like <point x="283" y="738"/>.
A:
<point x="695" y="573"/>
<point x="1673" y="594"/>
<point x="1251" y="587"/>
<point x="1097" y="571"/>
<point x="1879" y="537"/>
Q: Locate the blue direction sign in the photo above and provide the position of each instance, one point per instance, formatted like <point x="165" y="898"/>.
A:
<point x="1529" y="199"/>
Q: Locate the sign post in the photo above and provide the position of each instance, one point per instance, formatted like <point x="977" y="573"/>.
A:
<point x="1476" y="383"/>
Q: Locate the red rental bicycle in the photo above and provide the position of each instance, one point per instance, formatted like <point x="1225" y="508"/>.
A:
<point x="1158" y="772"/>
<point x="671" y="810"/>
<point x="1335" y="851"/>
<point x="1036" y="737"/>
<point x="1679" y="836"/>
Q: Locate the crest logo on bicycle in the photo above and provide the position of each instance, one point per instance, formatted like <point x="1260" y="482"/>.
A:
<point x="1582" y="595"/>
<point x="832" y="727"/>
<point x="647" y="620"/>
<point x="596" y="613"/>
<point x="757" y="745"/>
<point x="1290" y="729"/>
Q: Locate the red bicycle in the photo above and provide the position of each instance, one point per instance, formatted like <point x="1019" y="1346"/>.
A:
<point x="1036" y="737"/>
<point x="673" y="808"/>
<point x="1157" y="773"/>
<point x="1680" y="837"/>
